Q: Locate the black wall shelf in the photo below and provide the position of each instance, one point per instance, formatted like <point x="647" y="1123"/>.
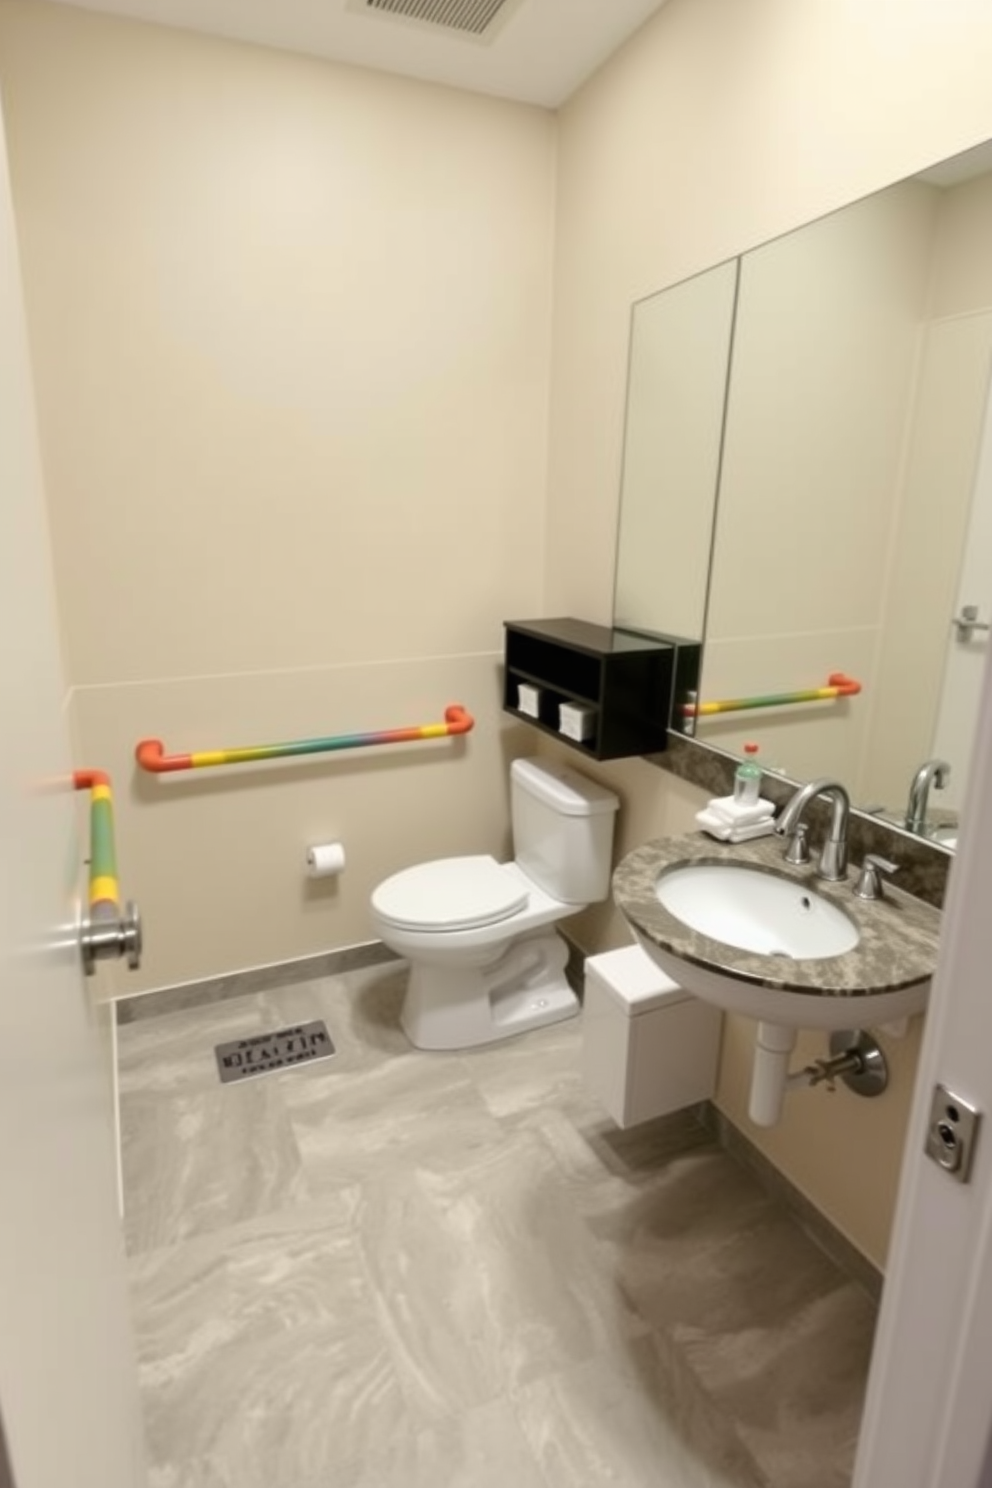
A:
<point x="624" y="678"/>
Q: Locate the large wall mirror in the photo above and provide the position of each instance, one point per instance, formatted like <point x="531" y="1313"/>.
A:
<point x="807" y="485"/>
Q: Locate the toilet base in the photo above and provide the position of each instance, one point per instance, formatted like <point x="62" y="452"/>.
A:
<point x="460" y="1007"/>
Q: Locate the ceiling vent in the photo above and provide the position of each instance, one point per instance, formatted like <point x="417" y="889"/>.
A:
<point x="471" y="17"/>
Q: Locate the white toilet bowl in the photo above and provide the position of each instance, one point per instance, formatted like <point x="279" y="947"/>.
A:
<point x="485" y="961"/>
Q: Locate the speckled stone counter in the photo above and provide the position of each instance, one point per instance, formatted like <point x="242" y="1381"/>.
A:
<point x="924" y="865"/>
<point x="898" y="934"/>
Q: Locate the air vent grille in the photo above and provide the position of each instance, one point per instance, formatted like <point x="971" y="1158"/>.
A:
<point x="473" y="16"/>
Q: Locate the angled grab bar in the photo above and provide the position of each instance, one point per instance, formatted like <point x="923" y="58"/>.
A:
<point x="151" y="756"/>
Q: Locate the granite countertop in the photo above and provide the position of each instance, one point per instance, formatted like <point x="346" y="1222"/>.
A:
<point x="898" y="934"/>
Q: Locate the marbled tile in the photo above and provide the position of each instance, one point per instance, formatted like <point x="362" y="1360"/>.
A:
<point x="484" y="1277"/>
<point x="175" y="1053"/>
<point x="640" y="1421"/>
<point x="361" y="1011"/>
<point x="591" y="1150"/>
<point x="532" y="1073"/>
<point x="794" y="1383"/>
<point x="200" y="1160"/>
<point x="703" y="1246"/>
<point x="482" y="1448"/>
<point x="351" y="1125"/>
<point x="260" y="1359"/>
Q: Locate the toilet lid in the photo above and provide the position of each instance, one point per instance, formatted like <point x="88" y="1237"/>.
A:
<point x="449" y="894"/>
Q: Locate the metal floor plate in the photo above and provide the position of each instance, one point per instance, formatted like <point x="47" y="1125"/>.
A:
<point x="239" y="1059"/>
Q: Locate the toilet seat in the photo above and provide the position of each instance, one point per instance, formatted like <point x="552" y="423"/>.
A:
<point x="450" y="894"/>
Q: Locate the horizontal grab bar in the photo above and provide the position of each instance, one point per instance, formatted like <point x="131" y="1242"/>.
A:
<point x="151" y="755"/>
<point x="838" y="685"/>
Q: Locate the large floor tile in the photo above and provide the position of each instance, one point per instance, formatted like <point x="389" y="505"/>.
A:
<point x="522" y="1076"/>
<point x="398" y="1268"/>
<point x="361" y="1010"/>
<point x="484" y="1277"/>
<point x="794" y="1387"/>
<point x="260" y="1358"/>
<point x="387" y="1116"/>
<point x="481" y="1448"/>
<point x="202" y="1160"/>
<point x="640" y="1422"/>
<point x="175" y="1053"/>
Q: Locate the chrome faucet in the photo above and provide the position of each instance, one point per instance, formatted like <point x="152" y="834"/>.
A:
<point x="932" y="772"/>
<point x="833" y="854"/>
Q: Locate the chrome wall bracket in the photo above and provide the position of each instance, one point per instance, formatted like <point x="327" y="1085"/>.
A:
<point x="112" y="936"/>
<point x="856" y="1059"/>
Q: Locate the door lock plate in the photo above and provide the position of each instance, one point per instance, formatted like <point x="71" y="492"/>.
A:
<point x="952" y="1132"/>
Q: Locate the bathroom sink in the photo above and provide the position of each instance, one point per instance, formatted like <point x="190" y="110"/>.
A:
<point x="756" y="910"/>
<point x="739" y="927"/>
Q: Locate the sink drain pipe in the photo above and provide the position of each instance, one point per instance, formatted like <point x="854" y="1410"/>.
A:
<point x="770" y="1074"/>
<point x="855" y="1058"/>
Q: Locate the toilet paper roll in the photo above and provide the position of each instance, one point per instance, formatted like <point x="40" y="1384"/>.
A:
<point x="324" y="860"/>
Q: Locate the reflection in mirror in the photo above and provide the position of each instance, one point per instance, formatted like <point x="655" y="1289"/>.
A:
<point x="679" y="358"/>
<point x="853" y="518"/>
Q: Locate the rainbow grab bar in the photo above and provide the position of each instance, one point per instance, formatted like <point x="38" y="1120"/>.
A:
<point x="104" y="892"/>
<point x="838" y="685"/>
<point x="151" y="756"/>
<point x="108" y="930"/>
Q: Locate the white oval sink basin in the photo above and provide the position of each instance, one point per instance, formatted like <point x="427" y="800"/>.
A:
<point x="744" y="930"/>
<point x="756" y="911"/>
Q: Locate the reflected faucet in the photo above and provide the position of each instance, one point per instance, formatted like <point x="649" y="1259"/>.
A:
<point x="935" y="772"/>
<point x="833" y="855"/>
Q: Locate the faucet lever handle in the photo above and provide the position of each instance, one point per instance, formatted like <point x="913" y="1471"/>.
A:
<point x="869" y="884"/>
<point x="797" y="851"/>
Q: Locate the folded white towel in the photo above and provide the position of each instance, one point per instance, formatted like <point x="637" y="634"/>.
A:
<point x="740" y="815"/>
<point x="717" y="825"/>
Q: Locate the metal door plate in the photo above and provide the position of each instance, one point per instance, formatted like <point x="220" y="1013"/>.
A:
<point x="239" y="1059"/>
<point x="952" y="1133"/>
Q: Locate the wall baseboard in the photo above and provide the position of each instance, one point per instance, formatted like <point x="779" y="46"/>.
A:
<point x="253" y="979"/>
<point x="842" y="1251"/>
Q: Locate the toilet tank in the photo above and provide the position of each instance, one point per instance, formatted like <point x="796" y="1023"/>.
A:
<point x="562" y="830"/>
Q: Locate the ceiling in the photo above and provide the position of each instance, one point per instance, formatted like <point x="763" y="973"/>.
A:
<point x="535" y="51"/>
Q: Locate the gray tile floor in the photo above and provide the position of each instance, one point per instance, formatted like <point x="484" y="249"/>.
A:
<point x="397" y="1269"/>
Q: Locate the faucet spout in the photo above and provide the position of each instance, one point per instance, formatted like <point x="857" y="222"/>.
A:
<point x="934" y="772"/>
<point x="833" y="854"/>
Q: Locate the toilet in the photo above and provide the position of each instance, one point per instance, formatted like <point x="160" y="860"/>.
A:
<point x="485" y="961"/>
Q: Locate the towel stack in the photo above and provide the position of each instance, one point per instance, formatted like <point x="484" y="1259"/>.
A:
<point x="727" y="819"/>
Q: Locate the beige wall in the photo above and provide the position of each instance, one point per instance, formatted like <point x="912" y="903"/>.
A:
<point x="291" y="329"/>
<point x="720" y="126"/>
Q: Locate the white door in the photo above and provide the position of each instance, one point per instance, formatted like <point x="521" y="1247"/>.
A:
<point x="928" y="1416"/>
<point x="68" y="1387"/>
<point x="957" y="714"/>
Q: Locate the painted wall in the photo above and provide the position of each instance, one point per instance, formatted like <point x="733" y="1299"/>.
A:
<point x="291" y="330"/>
<point x="718" y="127"/>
